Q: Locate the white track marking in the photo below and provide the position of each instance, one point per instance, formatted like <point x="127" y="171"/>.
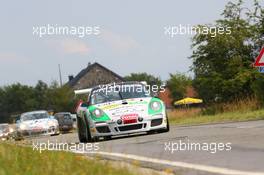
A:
<point x="205" y="168"/>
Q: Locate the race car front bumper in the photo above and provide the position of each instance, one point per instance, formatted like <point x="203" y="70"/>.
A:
<point x="44" y="131"/>
<point x="112" y="128"/>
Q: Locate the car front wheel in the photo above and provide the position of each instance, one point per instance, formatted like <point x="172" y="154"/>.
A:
<point x="82" y="134"/>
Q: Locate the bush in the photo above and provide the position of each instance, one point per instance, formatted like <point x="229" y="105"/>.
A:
<point x="242" y="105"/>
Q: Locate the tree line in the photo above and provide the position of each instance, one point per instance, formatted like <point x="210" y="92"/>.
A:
<point x="16" y="99"/>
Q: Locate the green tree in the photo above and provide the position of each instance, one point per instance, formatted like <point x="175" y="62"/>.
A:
<point x="150" y="79"/>
<point x="41" y="90"/>
<point x="60" y="99"/>
<point x="223" y="63"/>
<point x="258" y="88"/>
<point x="178" y="84"/>
<point x="18" y="98"/>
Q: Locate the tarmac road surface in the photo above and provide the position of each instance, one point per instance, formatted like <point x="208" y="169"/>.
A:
<point x="240" y="148"/>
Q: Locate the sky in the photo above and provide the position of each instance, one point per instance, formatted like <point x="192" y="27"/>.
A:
<point x="132" y="37"/>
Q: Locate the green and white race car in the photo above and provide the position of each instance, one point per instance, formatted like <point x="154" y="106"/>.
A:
<point x="119" y="109"/>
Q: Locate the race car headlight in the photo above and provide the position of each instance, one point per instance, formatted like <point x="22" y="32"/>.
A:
<point x="155" y="105"/>
<point x="98" y="113"/>
<point x="22" y="126"/>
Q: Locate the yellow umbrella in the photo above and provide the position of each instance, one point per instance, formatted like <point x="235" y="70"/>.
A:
<point x="188" y="101"/>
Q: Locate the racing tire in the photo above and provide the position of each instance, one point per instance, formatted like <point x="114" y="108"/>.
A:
<point x="82" y="133"/>
<point x="88" y="133"/>
<point x="85" y="135"/>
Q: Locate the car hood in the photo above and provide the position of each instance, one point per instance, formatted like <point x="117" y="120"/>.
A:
<point x="36" y="123"/>
<point x="122" y="107"/>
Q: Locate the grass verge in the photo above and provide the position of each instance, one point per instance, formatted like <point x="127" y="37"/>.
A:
<point x="196" y="118"/>
<point x="18" y="160"/>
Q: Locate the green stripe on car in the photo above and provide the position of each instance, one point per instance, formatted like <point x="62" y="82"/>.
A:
<point x="104" y="117"/>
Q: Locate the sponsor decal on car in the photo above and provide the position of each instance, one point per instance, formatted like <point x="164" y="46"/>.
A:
<point x="129" y="118"/>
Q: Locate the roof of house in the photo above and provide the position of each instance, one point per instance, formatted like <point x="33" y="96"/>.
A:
<point x="87" y="69"/>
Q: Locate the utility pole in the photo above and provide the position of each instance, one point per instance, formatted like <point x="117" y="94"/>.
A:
<point x="60" y="75"/>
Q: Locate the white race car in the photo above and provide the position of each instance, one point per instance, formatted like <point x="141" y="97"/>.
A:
<point x="36" y="123"/>
<point x="117" y="109"/>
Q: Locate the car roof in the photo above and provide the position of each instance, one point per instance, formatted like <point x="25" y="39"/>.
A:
<point x="34" y="112"/>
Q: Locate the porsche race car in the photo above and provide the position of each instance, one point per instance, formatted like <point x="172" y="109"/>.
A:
<point x="36" y="123"/>
<point x="118" y="109"/>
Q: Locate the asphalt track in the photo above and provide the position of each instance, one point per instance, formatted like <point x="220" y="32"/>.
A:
<point x="246" y="156"/>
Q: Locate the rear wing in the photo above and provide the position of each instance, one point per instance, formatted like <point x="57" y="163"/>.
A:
<point x="83" y="91"/>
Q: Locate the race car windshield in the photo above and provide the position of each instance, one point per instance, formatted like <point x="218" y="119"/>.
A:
<point x="118" y="93"/>
<point x="34" y="116"/>
<point x="136" y="91"/>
